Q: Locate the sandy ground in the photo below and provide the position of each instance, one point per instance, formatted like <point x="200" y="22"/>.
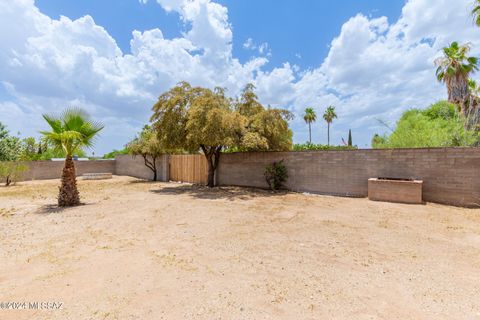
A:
<point x="139" y="250"/>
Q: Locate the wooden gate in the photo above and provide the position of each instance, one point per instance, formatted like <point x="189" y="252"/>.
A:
<point x="191" y="168"/>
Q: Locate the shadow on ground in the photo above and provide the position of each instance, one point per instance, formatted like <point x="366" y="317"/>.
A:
<point x="53" y="208"/>
<point x="227" y="193"/>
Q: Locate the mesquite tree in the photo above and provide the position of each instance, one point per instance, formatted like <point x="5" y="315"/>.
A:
<point x="199" y="119"/>
<point x="147" y="145"/>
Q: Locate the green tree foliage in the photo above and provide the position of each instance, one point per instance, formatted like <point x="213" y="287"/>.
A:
<point x="440" y="125"/>
<point x="319" y="147"/>
<point x="148" y="146"/>
<point x="328" y="116"/>
<point x="309" y="117"/>
<point x="11" y="171"/>
<point x="32" y="150"/>
<point x="350" y="141"/>
<point x="199" y="119"/>
<point x="379" y="141"/>
<point x="263" y="129"/>
<point x="70" y="131"/>
<point x="10" y="146"/>
<point x="111" y="155"/>
<point x="276" y="175"/>
<point x="476" y="12"/>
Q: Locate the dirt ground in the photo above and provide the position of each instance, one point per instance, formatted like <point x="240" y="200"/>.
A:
<point x="140" y="250"/>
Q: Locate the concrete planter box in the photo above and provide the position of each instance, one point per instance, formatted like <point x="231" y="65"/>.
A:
<point x="395" y="190"/>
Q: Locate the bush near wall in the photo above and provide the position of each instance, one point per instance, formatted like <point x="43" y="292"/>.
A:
<point x="312" y="147"/>
<point x="11" y="171"/>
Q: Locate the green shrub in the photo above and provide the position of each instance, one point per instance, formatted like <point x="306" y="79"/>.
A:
<point x="112" y="154"/>
<point x="11" y="172"/>
<point x="440" y="125"/>
<point x="276" y="175"/>
<point x="318" y="147"/>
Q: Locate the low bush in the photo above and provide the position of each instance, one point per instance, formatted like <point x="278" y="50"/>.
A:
<point x="11" y="172"/>
<point x="312" y="147"/>
<point x="276" y="175"/>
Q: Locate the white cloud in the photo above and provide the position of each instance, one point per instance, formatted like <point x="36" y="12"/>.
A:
<point x="263" y="49"/>
<point x="48" y="64"/>
<point x="374" y="68"/>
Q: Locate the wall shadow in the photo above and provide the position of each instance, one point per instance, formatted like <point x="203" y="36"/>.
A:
<point x="225" y="193"/>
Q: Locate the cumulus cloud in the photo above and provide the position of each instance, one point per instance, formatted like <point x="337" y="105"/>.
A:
<point x="374" y="69"/>
<point x="48" y="64"/>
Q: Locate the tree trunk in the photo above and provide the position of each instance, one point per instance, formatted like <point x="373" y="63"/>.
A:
<point x="310" y="132"/>
<point x="211" y="174"/>
<point x="152" y="165"/>
<point x="458" y="92"/>
<point x="328" y="133"/>
<point x="68" y="194"/>
<point x="212" y="154"/>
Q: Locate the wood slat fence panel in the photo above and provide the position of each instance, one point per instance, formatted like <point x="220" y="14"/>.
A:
<point x="192" y="168"/>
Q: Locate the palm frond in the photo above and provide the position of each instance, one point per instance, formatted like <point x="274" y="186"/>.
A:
<point x="71" y="130"/>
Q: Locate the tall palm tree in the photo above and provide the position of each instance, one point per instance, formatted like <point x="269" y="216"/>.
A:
<point x="476" y="12"/>
<point x="70" y="131"/>
<point x="309" y="117"/>
<point x="329" y="115"/>
<point x="454" y="69"/>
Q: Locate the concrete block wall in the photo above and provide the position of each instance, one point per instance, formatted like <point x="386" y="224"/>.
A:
<point x="126" y="165"/>
<point x="39" y="170"/>
<point x="450" y="175"/>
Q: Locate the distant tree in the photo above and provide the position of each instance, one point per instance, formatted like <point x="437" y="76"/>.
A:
<point x="70" y="131"/>
<point x="454" y="69"/>
<point x="320" y="147"/>
<point x="350" y="142"/>
<point x="147" y="145"/>
<point x="328" y="116"/>
<point x="10" y="146"/>
<point x="309" y="117"/>
<point x="378" y="141"/>
<point x="193" y="118"/>
<point x="111" y="155"/>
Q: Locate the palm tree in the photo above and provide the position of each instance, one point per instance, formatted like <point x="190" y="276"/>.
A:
<point x="454" y="69"/>
<point x="71" y="130"/>
<point x="473" y="87"/>
<point x="329" y="115"/>
<point x="476" y="12"/>
<point x="309" y="117"/>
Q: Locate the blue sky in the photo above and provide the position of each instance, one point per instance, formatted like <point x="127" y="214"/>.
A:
<point x="371" y="59"/>
<point x="296" y="31"/>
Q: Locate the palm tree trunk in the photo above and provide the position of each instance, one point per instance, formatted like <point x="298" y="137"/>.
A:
<point x="328" y="133"/>
<point x="68" y="194"/>
<point x="458" y="93"/>
<point x="310" y="132"/>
